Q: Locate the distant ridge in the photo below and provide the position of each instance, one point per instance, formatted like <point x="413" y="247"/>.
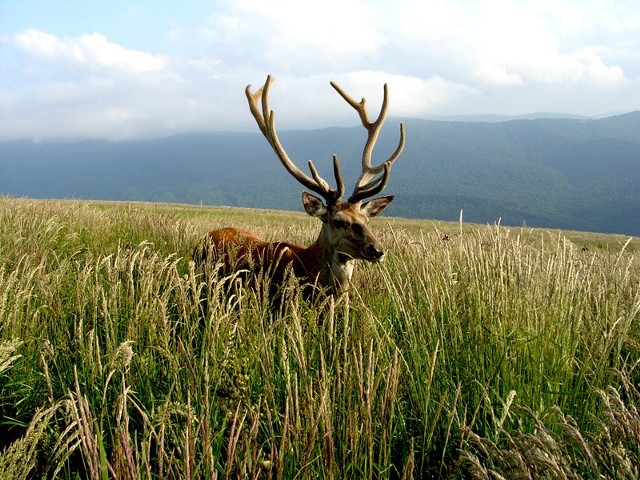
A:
<point x="570" y="173"/>
<point x="505" y="118"/>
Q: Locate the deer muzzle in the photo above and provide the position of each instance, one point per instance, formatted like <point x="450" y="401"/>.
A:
<point x="374" y="253"/>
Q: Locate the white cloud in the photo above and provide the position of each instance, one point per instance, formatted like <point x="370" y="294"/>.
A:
<point x="341" y="27"/>
<point x="438" y="56"/>
<point x="293" y="36"/>
<point x="91" y="52"/>
<point x="408" y="95"/>
<point x="500" y="42"/>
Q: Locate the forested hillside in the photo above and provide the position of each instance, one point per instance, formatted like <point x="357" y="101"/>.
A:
<point x="559" y="173"/>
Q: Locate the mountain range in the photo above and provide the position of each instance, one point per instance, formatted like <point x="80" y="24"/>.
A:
<point x="569" y="173"/>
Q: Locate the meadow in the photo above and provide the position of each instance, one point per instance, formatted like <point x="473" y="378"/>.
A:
<point x="471" y="352"/>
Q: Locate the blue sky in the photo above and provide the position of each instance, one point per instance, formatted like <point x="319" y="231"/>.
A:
<point x="115" y="70"/>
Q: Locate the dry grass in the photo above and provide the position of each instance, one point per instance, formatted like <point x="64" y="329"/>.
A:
<point x="472" y="351"/>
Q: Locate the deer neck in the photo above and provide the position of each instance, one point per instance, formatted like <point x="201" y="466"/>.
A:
<point x="333" y="269"/>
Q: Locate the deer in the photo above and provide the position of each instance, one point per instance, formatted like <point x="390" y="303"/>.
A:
<point x="326" y="265"/>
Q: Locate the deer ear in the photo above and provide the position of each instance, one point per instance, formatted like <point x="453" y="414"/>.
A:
<point x="313" y="205"/>
<point x="376" y="206"/>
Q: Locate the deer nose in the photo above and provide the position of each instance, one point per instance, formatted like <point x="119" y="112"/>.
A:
<point x="374" y="252"/>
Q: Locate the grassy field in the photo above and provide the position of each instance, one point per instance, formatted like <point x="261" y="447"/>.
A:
<point x="472" y="351"/>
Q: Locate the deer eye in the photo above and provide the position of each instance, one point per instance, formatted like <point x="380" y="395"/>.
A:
<point x="339" y="223"/>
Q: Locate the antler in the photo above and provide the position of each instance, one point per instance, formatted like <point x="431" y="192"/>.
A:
<point x="365" y="186"/>
<point x="265" y="117"/>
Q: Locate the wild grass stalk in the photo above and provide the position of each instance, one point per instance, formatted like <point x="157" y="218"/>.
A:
<point x="476" y="352"/>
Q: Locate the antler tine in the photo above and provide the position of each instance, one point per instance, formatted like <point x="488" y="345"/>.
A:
<point x="265" y="118"/>
<point x="378" y="184"/>
<point x="365" y="187"/>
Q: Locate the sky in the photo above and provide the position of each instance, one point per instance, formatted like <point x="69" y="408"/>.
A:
<point x="152" y="68"/>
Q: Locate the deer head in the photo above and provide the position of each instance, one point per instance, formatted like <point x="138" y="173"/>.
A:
<point x="345" y="234"/>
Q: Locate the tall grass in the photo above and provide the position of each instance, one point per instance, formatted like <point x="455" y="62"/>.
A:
<point x="485" y="352"/>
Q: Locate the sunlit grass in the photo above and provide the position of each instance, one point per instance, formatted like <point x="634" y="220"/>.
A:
<point x="472" y="350"/>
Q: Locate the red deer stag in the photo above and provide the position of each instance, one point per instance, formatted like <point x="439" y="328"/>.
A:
<point x="345" y="235"/>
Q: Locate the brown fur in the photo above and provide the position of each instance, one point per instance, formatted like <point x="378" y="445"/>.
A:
<point x="240" y="249"/>
<point x="326" y="264"/>
<point x="243" y="249"/>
